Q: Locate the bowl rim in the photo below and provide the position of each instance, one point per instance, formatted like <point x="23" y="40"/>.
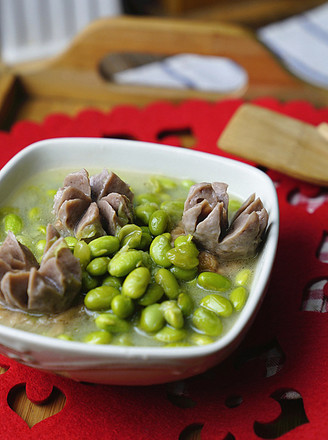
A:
<point x="156" y="352"/>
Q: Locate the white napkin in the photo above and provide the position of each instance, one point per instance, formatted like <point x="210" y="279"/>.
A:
<point x="302" y="44"/>
<point x="201" y="72"/>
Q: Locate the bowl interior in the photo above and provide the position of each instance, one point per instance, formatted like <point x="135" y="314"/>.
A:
<point x="116" y="155"/>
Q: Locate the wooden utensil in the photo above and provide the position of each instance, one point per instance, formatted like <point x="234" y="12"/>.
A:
<point x="279" y="142"/>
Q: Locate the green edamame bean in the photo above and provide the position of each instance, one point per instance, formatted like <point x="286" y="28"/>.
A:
<point x="98" y="337"/>
<point x="218" y="304"/>
<point x="112" y="281"/>
<point x="42" y="229"/>
<point x="243" y="277"/>
<point x="65" y="337"/>
<point x="172" y="314"/>
<point x="126" y="230"/>
<point x="158" y="222"/>
<point x="168" y="282"/>
<point x="83" y="253"/>
<point x="51" y="193"/>
<point x="147" y="261"/>
<point x="112" y="323"/>
<point x="152" y="295"/>
<point x="183" y="239"/>
<point x="13" y="223"/>
<point x="89" y="231"/>
<point x="165" y="182"/>
<point x="123" y="339"/>
<point x="213" y="281"/>
<point x="184" y="256"/>
<point x="135" y="284"/>
<point x="40" y="246"/>
<point x="233" y="205"/>
<point x="34" y="213"/>
<point x="100" y="297"/>
<point x="71" y="242"/>
<point x="185" y="303"/>
<point x="124" y="262"/>
<point x="145" y="241"/>
<point x="144" y="212"/>
<point x="98" y="266"/>
<point x="104" y="246"/>
<point x="174" y="208"/>
<point x="152" y="319"/>
<point x="159" y="248"/>
<point x="130" y="235"/>
<point x="88" y="282"/>
<point x="122" y="306"/>
<point x="199" y="339"/>
<point x="238" y="297"/>
<point x="207" y="322"/>
<point x="184" y="274"/>
<point x="145" y="198"/>
<point x="159" y="183"/>
<point x="169" y="334"/>
<point x="187" y="183"/>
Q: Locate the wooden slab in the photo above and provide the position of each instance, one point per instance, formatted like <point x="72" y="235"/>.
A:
<point x="73" y="80"/>
<point x="279" y="142"/>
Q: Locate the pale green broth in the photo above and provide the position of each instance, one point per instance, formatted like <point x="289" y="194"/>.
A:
<point x="33" y="203"/>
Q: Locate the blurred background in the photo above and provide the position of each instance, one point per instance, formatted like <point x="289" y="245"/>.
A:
<point x="289" y="35"/>
<point x="34" y="29"/>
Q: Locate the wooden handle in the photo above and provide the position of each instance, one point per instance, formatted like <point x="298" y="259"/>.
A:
<point x="323" y="130"/>
<point x="278" y="142"/>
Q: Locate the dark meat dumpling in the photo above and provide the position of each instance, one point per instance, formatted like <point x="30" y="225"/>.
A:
<point x="205" y="213"/>
<point x="107" y="182"/>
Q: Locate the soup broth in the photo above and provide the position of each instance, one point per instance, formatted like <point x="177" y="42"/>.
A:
<point x="28" y="211"/>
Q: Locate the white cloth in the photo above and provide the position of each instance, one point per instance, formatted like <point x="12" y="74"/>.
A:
<point x="200" y="72"/>
<point x="302" y="44"/>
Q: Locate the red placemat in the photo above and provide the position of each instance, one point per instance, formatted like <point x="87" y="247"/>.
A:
<point x="275" y="384"/>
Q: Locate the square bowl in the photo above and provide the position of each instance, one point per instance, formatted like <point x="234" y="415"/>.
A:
<point x="111" y="364"/>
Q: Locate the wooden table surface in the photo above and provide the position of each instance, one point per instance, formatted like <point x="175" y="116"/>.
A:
<point x="72" y="81"/>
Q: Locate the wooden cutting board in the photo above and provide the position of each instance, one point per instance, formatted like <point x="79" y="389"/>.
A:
<point x="75" y="79"/>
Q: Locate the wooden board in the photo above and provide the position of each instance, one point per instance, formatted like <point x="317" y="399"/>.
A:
<point x="72" y="80"/>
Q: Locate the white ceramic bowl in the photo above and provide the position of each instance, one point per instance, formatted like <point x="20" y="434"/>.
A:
<point x="139" y="365"/>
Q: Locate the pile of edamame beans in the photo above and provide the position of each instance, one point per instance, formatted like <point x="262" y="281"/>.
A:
<point x="141" y="287"/>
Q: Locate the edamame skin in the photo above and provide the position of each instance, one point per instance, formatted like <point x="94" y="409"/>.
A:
<point x="13" y="222"/>
<point x="100" y="298"/>
<point x="122" y="306"/>
<point x="207" y="322"/>
<point x="214" y="281"/>
<point x="104" y="246"/>
<point x="159" y="248"/>
<point x="135" y="284"/>
<point x="123" y="263"/>
<point x="98" y="337"/>
<point x="158" y="222"/>
<point x="143" y="286"/>
<point x="152" y="318"/>
<point x="168" y="282"/>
